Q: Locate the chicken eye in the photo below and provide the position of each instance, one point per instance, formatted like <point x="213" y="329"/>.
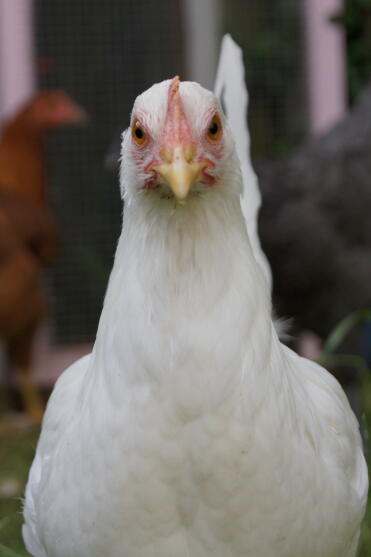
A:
<point x="215" y="128"/>
<point x="138" y="133"/>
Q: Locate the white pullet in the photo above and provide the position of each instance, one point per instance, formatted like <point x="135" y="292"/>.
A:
<point x="191" y="431"/>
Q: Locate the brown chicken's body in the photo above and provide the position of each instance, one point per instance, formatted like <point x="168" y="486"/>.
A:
<point x="28" y="235"/>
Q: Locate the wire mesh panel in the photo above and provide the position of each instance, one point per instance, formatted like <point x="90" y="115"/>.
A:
<point x="271" y="37"/>
<point x="103" y="54"/>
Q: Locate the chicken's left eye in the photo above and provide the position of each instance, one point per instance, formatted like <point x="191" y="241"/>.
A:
<point x="215" y="128"/>
<point x="138" y="133"/>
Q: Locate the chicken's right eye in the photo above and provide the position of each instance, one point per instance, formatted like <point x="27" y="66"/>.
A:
<point x="138" y="133"/>
<point x="215" y="129"/>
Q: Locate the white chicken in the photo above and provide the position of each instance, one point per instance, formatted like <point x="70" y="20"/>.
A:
<point x="191" y="431"/>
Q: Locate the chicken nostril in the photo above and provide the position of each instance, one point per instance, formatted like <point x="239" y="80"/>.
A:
<point x="189" y="153"/>
<point x="167" y="155"/>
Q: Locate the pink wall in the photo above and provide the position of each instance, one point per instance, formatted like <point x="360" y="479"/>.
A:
<point x="325" y="63"/>
<point x="17" y="71"/>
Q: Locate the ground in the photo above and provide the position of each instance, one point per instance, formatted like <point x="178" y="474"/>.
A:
<point x="17" y="448"/>
<point x="16" y="452"/>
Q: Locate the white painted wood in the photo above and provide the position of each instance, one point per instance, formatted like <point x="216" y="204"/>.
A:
<point x="325" y="64"/>
<point x="202" y="26"/>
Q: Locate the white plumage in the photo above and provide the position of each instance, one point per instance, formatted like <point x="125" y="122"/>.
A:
<point x="231" y="90"/>
<point x="190" y="431"/>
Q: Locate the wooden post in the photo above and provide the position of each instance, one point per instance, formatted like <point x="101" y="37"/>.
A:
<point x="202" y="26"/>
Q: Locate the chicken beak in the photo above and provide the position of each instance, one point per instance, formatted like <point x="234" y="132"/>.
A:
<point x="179" y="170"/>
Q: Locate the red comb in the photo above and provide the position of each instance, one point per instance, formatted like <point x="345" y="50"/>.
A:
<point x="176" y="129"/>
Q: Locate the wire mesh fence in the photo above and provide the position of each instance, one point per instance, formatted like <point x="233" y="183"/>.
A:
<point x="104" y="54"/>
<point x="271" y="36"/>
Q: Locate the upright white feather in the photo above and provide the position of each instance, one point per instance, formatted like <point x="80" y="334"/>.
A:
<point x="230" y="88"/>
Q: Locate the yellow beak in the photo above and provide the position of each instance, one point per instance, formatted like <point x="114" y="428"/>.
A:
<point x="179" y="170"/>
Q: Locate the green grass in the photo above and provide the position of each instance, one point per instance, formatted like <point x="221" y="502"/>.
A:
<point x="16" y="453"/>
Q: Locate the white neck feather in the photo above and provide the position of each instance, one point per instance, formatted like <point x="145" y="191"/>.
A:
<point x="186" y="299"/>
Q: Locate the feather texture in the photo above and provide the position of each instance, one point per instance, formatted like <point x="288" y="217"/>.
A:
<point x="231" y="90"/>
<point x="191" y="430"/>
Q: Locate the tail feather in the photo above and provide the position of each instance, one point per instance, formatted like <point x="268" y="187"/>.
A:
<point x="231" y="90"/>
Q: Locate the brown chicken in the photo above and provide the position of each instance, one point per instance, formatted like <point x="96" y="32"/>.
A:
<point x="28" y="235"/>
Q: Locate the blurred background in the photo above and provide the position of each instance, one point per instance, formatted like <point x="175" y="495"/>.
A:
<point x="308" y="66"/>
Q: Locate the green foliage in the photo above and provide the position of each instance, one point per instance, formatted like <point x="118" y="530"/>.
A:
<point x="329" y="357"/>
<point x="270" y="36"/>
<point x="356" y="20"/>
<point x="17" y="449"/>
<point x="337" y="336"/>
<point x="6" y="552"/>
